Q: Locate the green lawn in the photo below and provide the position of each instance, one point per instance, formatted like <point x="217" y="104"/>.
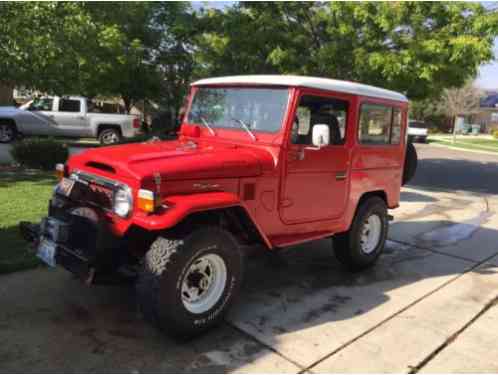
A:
<point x="24" y="195"/>
<point x="468" y="143"/>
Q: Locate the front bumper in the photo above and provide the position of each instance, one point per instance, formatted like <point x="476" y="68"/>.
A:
<point x="85" y="247"/>
<point x="71" y="260"/>
<point x="417" y="138"/>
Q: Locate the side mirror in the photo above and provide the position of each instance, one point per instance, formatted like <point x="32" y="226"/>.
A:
<point x="320" y="135"/>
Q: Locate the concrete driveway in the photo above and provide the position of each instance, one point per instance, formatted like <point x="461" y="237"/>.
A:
<point x="428" y="306"/>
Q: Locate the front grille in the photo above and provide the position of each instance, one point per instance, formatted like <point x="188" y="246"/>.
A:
<point x="93" y="194"/>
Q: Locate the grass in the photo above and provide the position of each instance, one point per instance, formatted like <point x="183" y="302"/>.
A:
<point x="468" y="143"/>
<point x="24" y="196"/>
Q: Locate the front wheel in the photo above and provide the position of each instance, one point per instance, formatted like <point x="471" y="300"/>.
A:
<point x="360" y="247"/>
<point x="188" y="284"/>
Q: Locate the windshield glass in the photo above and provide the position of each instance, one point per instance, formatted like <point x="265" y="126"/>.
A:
<point x="260" y="109"/>
<point x="41" y="104"/>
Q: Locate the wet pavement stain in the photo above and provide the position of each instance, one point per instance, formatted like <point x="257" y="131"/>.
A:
<point x="440" y="208"/>
<point x="335" y="302"/>
<point x="449" y="234"/>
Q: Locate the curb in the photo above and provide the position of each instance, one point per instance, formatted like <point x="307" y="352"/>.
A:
<point x="435" y="144"/>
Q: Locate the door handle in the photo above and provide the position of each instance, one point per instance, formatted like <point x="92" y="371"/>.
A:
<point x="296" y="155"/>
<point x="339" y="176"/>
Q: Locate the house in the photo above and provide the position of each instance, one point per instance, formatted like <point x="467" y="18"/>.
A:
<point x="488" y="113"/>
<point x="6" y="95"/>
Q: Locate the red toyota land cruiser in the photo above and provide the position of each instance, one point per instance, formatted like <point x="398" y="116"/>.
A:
<point x="260" y="162"/>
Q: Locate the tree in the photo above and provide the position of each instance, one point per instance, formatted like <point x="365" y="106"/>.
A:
<point x="418" y="48"/>
<point x="175" y="25"/>
<point x="84" y="48"/>
<point x="460" y="101"/>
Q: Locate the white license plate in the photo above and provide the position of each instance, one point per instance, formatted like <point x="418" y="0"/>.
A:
<point x="65" y="186"/>
<point x="46" y="252"/>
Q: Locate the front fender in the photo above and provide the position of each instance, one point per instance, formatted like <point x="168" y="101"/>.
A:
<point x="180" y="206"/>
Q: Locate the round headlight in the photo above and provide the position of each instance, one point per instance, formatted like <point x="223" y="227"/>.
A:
<point x="122" y="202"/>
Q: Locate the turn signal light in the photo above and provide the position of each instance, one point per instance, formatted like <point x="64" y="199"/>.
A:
<point x="60" y="171"/>
<point x="147" y="201"/>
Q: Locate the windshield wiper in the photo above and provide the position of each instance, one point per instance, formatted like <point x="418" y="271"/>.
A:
<point x="246" y="128"/>
<point x="206" y="124"/>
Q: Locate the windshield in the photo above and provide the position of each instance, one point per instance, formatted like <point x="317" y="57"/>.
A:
<point x="260" y="109"/>
<point x="41" y="104"/>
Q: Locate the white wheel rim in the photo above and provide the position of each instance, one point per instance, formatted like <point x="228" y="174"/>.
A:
<point x="110" y="137"/>
<point x="6" y="133"/>
<point x="370" y="233"/>
<point x="204" y="283"/>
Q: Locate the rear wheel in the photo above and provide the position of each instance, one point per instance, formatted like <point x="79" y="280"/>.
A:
<point x="360" y="247"/>
<point x="187" y="285"/>
<point x="8" y="132"/>
<point x="109" y="136"/>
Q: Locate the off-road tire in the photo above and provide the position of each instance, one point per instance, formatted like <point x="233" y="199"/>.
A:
<point x="165" y="265"/>
<point x="347" y="245"/>
<point x="411" y="161"/>
<point x="108" y="133"/>
<point x="12" y="126"/>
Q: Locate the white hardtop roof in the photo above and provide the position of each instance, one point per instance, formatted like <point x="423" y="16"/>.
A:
<point x="303" y="81"/>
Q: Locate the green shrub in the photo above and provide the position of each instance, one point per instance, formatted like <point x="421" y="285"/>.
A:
<point x="495" y="134"/>
<point x="39" y="153"/>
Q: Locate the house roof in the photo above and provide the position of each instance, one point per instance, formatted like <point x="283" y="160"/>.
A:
<point x="304" y="81"/>
<point x="490" y="101"/>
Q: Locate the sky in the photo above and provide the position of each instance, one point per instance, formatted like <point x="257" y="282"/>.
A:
<point x="488" y="73"/>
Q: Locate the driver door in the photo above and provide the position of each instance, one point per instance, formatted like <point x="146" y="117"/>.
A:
<point x="316" y="181"/>
<point x="38" y="117"/>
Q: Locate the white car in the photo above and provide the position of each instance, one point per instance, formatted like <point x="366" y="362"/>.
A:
<point x="68" y="116"/>
<point x="417" y="131"/>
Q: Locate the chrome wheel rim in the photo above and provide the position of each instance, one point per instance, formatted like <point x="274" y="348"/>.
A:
<point x="204" y="283"/>
<point x="6" y="133"/>
<point x="110" y="137"/>
<point x="370" y="234"/>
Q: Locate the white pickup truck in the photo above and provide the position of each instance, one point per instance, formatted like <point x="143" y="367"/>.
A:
<point x="68" y="116"/>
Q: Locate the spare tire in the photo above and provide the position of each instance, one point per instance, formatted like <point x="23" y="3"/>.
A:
<point x="411" y="161"/>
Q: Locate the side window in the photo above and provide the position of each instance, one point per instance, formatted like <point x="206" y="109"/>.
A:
<point x="379" y="125"/>
<point x="43" y="104"/>
<point x="375" y="121"/>
<point x="313" y="110"/>
<point x="396" y="127"/>
<point x="69" y="105"/>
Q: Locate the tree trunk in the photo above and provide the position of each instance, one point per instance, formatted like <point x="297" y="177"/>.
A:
<point x="454" y="128"/>
<point x="127" y="103"/>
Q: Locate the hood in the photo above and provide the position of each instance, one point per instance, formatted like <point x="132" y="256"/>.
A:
<point x="174" y="160"/>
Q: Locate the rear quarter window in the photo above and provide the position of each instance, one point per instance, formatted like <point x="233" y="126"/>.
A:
<point x="379" y="124"/>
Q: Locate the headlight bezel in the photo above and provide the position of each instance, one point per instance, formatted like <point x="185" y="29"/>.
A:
<point x="126" y="199"/>
<point x="116" y="187"/>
